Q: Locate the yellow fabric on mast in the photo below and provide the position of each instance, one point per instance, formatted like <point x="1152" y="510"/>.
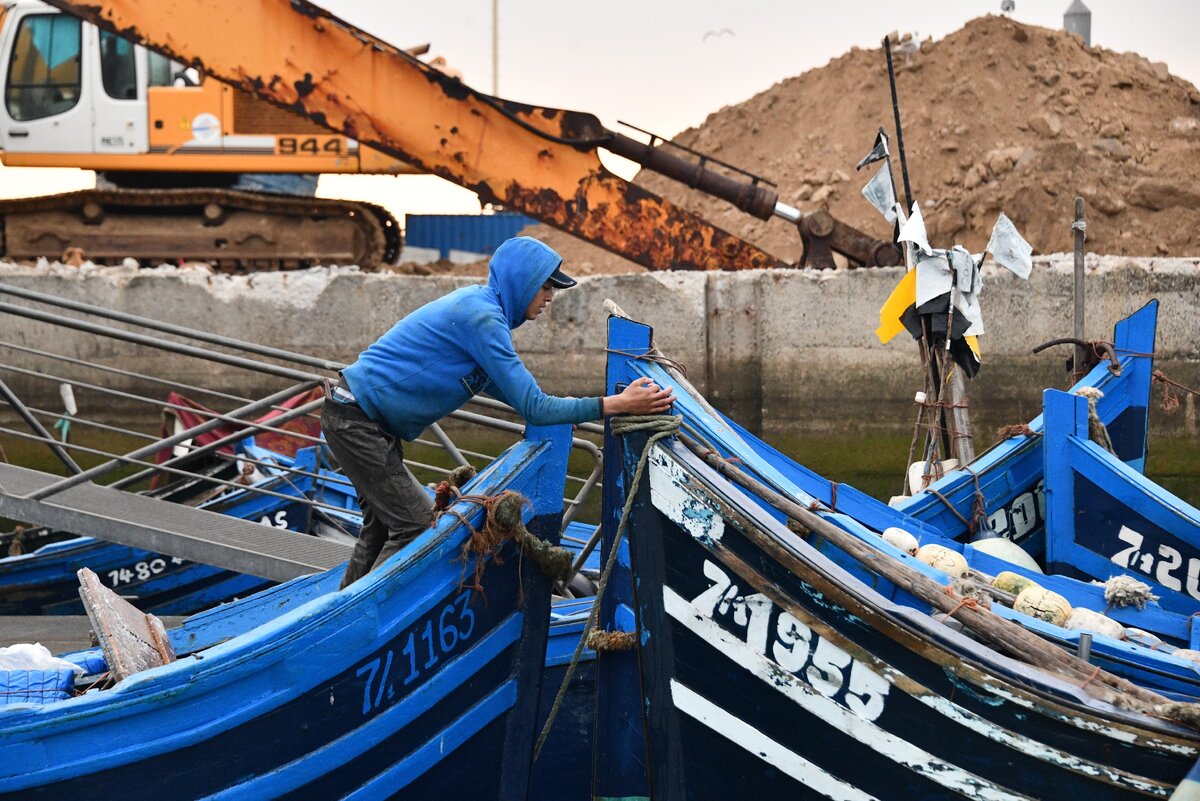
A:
<point x="903" y="296"/>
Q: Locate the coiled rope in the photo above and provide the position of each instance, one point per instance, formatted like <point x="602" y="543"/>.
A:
<point x="662" y="427"/>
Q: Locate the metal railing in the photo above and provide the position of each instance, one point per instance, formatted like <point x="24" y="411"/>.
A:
<point x="231" y="426"/>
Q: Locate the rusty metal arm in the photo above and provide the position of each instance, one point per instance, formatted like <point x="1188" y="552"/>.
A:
<point x="540" y="161"/>
<point x="821" y="234"/>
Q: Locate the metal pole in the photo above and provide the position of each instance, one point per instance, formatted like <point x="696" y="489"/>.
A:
<point x="1084" y="651"/>
<point x="168" y="328"/>
<point x="887" y="48"/>
<point x="161" y="344"/>
<point x="38" y="428"/>
<point x="928" y="354"/>
<point x="495" y="48"/>
<point x="1080" y="229"/>
<point x="155" y="447"/>
<point x="448" y="445"/>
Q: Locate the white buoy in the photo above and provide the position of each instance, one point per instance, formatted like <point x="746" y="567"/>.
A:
<point x="901" y="539"/>
<point x="916" y="473"/>
<point x="1188" y="654"/>
<point x="1009" y="551"/>
<point x="947" y="560"/>
<point x="1043" y="604"/>
<point x="1082" y="619"/>
<point x="1012" y="583"/>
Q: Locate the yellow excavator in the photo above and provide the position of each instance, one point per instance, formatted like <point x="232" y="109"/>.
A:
<point x="341" y="87"/>
<point x="187" y="167"/>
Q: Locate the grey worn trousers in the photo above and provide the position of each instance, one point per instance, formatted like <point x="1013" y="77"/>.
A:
<point x="395" y="506"/>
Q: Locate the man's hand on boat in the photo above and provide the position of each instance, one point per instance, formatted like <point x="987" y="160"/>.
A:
<point x="642" y="396"/>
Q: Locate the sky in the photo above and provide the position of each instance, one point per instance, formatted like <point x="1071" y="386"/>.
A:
<point x="665" y="65"/>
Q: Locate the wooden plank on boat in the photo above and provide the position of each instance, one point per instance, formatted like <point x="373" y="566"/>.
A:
<point x="131" y="640"/>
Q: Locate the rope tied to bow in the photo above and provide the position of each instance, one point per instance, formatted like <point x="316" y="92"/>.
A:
<point x="447" y="491"/>
<point x="1097" y="432"/>
<point x="1170" y="401"/>
<point x="1015" y="430"/>
<point x="660" y="427"/>
<point x="652" y="356"/>
<point x="503" y="523"/>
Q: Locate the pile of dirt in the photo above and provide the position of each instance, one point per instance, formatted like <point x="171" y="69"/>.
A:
<point x="997" y="116"/>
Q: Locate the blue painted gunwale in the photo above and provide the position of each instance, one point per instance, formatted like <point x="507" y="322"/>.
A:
<point x="1107" y="519"/>
<point x="891" y="693"/>
<point x="285" y="708"/>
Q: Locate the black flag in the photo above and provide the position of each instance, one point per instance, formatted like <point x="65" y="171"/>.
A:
<point x="878" y="153"/>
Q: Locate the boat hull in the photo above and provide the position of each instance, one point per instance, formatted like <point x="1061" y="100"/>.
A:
<point x="769" y="672"/>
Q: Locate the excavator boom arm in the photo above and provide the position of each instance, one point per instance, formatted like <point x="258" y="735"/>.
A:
<point x="540" y="161"/>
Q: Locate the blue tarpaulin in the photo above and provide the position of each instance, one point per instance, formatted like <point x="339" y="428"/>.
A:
<point x="36" y="686"/>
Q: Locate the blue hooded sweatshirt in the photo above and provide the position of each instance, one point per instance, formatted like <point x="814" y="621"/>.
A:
<point x="432" y="361"/>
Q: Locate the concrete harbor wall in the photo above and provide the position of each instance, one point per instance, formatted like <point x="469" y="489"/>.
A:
<point x="794" y="350"/>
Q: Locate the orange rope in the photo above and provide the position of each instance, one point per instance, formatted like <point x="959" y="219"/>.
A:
<point x="1170" y="400"/>
<point x="1017" y="430"/>
<point x="963" y="600"/>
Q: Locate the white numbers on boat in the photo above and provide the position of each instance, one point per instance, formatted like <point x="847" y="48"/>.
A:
<point x="1161" y="564"/>
<point x="140" y="571"/>
<point x="279" y="521"/>
<point x="434" y="636"/>
<point x="1129" y="556"/>
<point x="1022" y="515"/>
<point x="792" y="645"/>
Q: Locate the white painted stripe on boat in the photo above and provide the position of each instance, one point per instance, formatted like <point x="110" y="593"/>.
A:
<point x="742" y="734"/>
<point x="1033" y="748"/>
<point x="832" y="713"/>
<point x="668" y="495"/>
<point x="1120" y="735"/>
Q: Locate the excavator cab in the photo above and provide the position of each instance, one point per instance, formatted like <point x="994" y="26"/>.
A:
<point x="77" y="96"/>
<point x="69" y="89"/>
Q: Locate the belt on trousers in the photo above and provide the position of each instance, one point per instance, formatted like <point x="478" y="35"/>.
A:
<point x="342" y="394"/>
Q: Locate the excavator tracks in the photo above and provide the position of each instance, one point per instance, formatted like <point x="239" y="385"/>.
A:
<point x="231" y="230"/>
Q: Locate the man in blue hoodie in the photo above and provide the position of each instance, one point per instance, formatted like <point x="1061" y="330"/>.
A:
<point x="431" y="363"/>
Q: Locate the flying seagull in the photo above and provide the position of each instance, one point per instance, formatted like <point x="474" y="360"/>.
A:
<point x="722" y="32"/>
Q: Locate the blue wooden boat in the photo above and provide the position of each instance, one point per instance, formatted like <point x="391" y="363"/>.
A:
<point x="769" y="670"/>
<point x="1106" y="519"/>
<point x="864" y="516"/>
<point x="407" y="684"/>
<point x="563" y="769"/>
<point x="1009" y="477"/>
